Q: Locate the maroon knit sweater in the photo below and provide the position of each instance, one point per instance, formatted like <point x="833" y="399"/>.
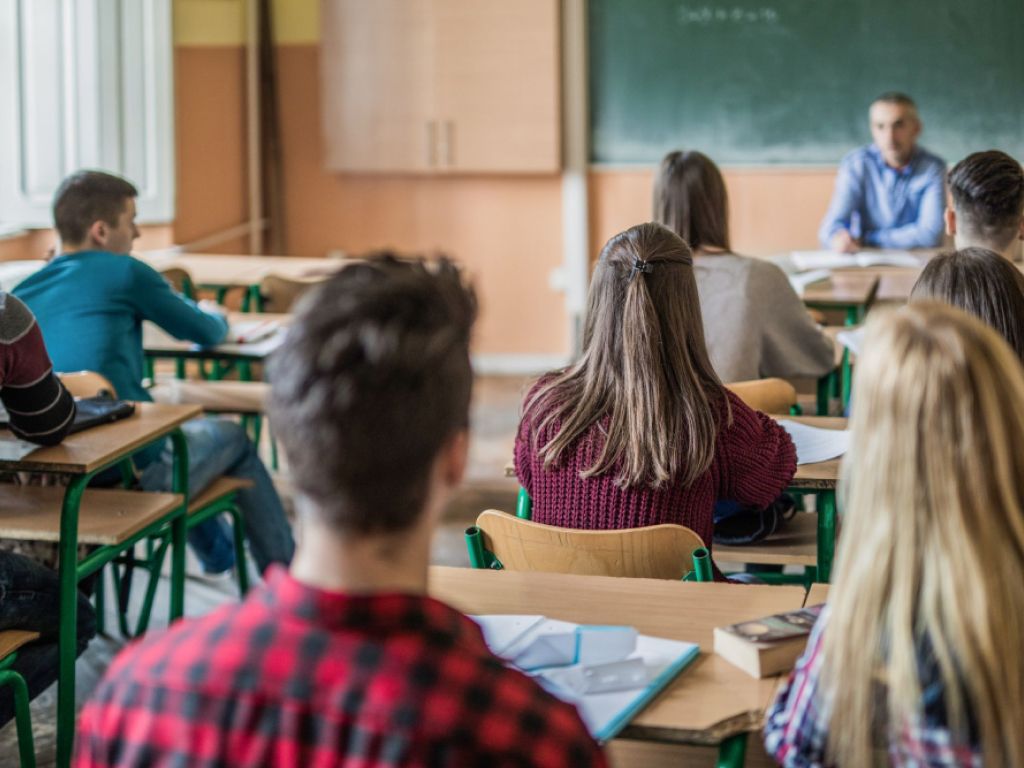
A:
<point x="754" y="461"/>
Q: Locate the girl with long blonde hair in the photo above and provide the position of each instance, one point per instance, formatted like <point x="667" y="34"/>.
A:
<point x="916" y="660"/>
<point x="639" y="430"/>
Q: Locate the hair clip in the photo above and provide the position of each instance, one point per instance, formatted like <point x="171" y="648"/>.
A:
<point x="639" y="265"/>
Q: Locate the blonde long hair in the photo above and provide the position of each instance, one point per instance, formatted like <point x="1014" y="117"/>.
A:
<point x="932" y="546"/>
<point x="644" y="366"/>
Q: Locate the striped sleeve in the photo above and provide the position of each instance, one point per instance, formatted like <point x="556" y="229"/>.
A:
<point x="40" y="409"/>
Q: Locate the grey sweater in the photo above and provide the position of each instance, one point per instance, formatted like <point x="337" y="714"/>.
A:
<point x="755" y="324"/>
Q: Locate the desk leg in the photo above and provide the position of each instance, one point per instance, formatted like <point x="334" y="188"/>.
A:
<point x="733" y="752"/>
<point x="826" y="534"/>
<point x="178" y="527"/>
<point x="67" y="642"/>
<point x="847" y="387"/>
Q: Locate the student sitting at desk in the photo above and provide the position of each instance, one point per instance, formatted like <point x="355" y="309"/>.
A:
<point x="918" y="653"/>
<point x="986" y="203"/>
<point x="754" y="323"/>
<point x="344" y="659"/>
<point x="983" y="284"/>
<point x="90" y="302"/>
<point x="640" y="431"/>
<point x="39" y="410"/>
<point x="889" y="194"/>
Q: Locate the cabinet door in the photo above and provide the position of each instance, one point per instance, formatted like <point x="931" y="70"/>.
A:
<point x="498" y="85"/>
<point x="377" y="85"/>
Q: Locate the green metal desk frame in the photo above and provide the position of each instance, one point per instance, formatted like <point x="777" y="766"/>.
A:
<point x="71" y="572"/>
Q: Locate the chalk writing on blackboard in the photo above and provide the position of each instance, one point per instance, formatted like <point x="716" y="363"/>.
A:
<point x="705" y="15"/>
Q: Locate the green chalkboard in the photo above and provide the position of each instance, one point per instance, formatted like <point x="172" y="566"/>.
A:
<point x="789" y="81"/>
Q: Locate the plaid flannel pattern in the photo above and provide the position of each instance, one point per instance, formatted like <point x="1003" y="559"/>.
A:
<point x="796" y="727"/>
<point x="295" y="676"/>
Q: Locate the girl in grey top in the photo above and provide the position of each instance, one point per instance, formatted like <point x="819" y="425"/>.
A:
<point x="754" y="323"/>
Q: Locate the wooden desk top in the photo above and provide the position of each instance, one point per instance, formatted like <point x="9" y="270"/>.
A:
<point x="895" y="284"/>
<point x="817" y="594"/>
<point x="843" y="289"/>
<point x="94" y="448"/>
<point x="157" y="341"/>
<point x="240" y="271"/>
<point x="825" y="474"/>
<point x="710" y="700"/>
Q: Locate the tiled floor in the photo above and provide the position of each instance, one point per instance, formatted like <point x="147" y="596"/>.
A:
<point x="494" y="418"/>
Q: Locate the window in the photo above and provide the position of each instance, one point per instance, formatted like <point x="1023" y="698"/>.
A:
<point x="85" y="84"/>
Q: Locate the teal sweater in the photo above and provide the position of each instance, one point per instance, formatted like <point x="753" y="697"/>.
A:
<point x="90" y="307"/>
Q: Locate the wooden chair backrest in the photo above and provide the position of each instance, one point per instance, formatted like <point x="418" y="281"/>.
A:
<point x="87" y="384"/>
<point x="280" y="293"/>
<point x="180" y="279"/>
<point x="767" y="395"/>
<point x="654" y="552"/>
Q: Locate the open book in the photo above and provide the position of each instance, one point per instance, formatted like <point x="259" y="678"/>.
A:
<point x="805" y="260"/>
<point x="609" y="673"/>
<point x="814" y="444"/>
<point x="251" y="331"/>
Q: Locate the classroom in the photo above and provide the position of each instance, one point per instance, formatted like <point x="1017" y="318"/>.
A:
<point x="538" y="383"/>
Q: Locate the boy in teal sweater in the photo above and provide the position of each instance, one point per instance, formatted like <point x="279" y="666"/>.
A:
<point x="90" y="302"/>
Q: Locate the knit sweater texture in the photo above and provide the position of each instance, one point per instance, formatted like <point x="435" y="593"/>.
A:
<point x="754" y="461"/>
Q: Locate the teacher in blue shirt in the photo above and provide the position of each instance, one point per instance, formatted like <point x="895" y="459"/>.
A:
<point x="889" y="194"/>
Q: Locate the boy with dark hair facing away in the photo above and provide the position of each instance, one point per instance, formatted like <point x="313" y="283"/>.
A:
<point x="90" y="302"/>
<point x="343" y="659"/>
<point x="986" y="203"/>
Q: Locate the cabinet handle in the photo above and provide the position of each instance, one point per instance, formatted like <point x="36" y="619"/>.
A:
<point x="431" y="143"/>
<point x="449" y="143"/>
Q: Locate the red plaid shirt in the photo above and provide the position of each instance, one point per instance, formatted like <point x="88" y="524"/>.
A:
<point x="296" y="676"/>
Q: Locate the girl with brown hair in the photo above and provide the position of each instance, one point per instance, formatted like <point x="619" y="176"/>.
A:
<point x="916" y="659"/>
<point x="756" y="326"/>
<point x="640" y="431"/>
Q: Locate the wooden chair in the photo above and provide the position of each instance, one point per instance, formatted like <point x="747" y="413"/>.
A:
<point x="87" y="384"/>
<point x="654" y="552"/>
<point x="768" y="395"/>
<point x="279" y="293"/>
<point x="10" y="642"/>
<point x="180" y="280"/>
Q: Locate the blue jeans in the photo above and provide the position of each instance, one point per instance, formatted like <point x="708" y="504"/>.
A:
<point x="30" y="599"/>
<point x="218" y="447"/>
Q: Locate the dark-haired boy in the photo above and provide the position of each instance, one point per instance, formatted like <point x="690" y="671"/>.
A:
<point x="90" y="302"/>
<point x="888" y="194"/>
<point x="986" y="203"/>
<point x="344" y="660"/>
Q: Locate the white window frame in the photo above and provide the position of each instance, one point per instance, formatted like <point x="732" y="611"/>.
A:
<point x="85" y="84"/>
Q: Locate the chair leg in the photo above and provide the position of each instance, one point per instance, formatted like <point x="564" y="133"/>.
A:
<point x="241" y="565"/>
<point x="99" y="600"/>
<point x="732" y="752"/>
<point x="22" y="716"/>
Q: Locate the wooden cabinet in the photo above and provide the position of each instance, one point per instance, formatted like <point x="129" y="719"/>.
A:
<point x="441" y="86"/>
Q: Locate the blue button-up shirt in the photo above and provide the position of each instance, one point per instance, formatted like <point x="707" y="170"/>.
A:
<point x="885" y="207"/>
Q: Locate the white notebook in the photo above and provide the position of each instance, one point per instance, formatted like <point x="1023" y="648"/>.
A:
<point x="609" y="673"/>
<point x="806" y="260"/>
<point x="814" y="444"/>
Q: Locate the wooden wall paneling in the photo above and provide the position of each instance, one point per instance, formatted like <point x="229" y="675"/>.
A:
<point x="498" y="85"/>
<point x="377" y="74"/>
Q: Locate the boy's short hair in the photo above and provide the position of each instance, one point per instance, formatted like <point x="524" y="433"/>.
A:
<point x="896" y="97"/>
<point x="86" y="197"/>
<point x="988" y="196"/>
<point x="373" y="379"/>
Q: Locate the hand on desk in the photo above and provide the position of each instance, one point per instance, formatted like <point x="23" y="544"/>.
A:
<point x="844" y="242"/>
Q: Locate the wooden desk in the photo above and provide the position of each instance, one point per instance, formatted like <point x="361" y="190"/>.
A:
<point x="710" y="701"/>
<point x="83" y="455"/>
<point x="158" y="343"/>
<point x="850" y="291"/>
<point x="817" y="594"/>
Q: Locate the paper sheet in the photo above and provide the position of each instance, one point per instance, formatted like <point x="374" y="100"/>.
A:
<point x="852" y="339"/>
<point x="251" y="331"/>
<point x="13" y="449"/>
<point x="814" y="444"/>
